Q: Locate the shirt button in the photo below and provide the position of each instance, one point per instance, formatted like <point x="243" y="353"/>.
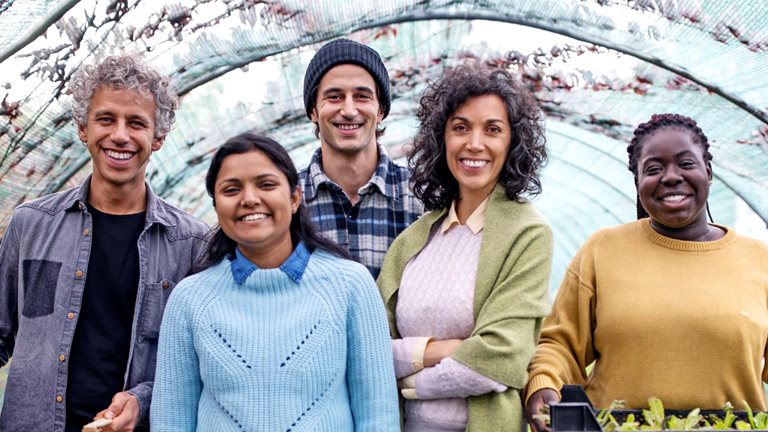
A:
<point x="71" y="315"/>
<point x="86" y="231"/>
<point x="59" y="398"/>
<point x="165" y="284"/>
<point x="79" y="273"/>
<point x="62" y="358"/>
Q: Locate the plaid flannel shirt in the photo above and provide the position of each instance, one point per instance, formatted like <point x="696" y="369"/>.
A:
<point x="385" y="208"/>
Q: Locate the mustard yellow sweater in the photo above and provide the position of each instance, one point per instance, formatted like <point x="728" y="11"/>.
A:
<point x="686" y="322"/>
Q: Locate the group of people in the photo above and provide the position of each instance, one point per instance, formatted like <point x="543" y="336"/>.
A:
<point x="324" y="297"/>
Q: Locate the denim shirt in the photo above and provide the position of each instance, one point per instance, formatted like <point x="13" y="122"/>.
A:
<point x="43" y="262"/>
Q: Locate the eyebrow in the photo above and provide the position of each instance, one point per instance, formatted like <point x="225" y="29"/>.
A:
<point x="102" y="112"/>
<point x="257" y="177"/>
<point x="677" y="155"/>
<point x="493" y="120"/>
<point x="339" y="89"/>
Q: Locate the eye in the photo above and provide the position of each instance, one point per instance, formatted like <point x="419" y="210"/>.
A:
<point x="137" y="124"/>
<point x="653" y="169"/>
<point x="333" y="97"/>
<point x="230" y="190"/>
<point x="104" y="120"/>
<point x="364" y="96"/>
<point x="687" y="163"/>
<point x="268" y="185"/>
<point x="494" y="129"/>
<point x="460" y="127"/>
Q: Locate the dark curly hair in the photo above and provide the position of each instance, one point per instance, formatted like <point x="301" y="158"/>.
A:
<point x="655" y="124"/>
<point x="431" y="179"/>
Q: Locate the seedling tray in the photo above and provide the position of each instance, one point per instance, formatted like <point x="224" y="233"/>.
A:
<point x="575" y="412"/>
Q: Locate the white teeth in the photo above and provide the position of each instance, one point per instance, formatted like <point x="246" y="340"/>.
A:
<point x="474" y="163"/>
<point x="254" y="217"/>
<point x="674" y="198"/>
<point x="347" y="126"/>
<point x="118" y="155"/>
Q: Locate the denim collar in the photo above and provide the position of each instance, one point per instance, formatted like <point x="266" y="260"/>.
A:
<point x="157" y="211"/>
<point x="294" y="266"/>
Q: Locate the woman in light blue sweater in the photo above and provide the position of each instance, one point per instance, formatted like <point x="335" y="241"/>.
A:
<point x="280" y="333"/>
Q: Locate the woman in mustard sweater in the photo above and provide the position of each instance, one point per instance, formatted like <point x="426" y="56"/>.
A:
<point x="669" y="306"/>
<point x="466" y="285"/>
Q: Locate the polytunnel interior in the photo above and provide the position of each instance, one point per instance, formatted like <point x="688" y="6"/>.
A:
<point x="598" y="68"/>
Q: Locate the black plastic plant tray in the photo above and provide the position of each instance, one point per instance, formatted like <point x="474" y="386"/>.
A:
<point x="575" y="412"/>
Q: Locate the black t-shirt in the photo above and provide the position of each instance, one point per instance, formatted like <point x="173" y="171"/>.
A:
<point x="99" y="355"/>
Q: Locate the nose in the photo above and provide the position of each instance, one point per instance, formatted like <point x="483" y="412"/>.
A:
<point x="671" y="176"/>
<point x="348" y="108"/>
<point x="250" y="197"/>
<point x="475" y="141"/>
<point x="120" y="133"/>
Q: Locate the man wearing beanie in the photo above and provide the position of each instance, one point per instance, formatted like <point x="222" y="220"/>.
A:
<point x="357" y="195"/>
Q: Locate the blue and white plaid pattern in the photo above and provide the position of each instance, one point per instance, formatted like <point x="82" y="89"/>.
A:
<point x="386" y="207"/>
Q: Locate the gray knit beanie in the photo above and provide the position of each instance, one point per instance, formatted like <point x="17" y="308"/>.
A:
<point x="345" y="51"/>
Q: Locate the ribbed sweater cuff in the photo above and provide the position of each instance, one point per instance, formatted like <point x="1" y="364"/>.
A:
<point x="539" y="382"/>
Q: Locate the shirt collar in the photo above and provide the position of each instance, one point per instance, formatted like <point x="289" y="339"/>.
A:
<point x="475" y="221"/>
<point x="155" y="212"/>
<point x="294" y="266"/>
<point x="381" y="179"/>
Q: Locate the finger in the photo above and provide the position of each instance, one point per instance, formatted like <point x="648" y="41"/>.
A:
<point x="116" y="407"/>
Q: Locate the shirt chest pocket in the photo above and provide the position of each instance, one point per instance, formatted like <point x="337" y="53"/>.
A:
<point x="152" y="305"/>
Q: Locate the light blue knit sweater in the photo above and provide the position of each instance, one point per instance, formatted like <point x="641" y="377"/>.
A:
<point x="274" y="355"/>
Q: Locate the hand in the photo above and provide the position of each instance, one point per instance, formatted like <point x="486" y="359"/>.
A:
<point x="535" y="406"/>
<point x="124" y="412"/>
<point x="437" y="350"/>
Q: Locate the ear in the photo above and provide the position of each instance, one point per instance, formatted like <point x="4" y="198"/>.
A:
<point x="296" y="197"/>
<point x="313" y="115"/>
<point x="157" y="143"/>
<point x="380" y="117"/>
<point x="709" y="172"/>
<point x="82" y="133"/>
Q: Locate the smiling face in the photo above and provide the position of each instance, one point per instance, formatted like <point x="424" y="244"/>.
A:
<point x="254" y="205"/>
<point x="347" y="110"/>
<point x="673" y="183"/>
<point x="477" y="139"/>
<point x="120" y="136"/>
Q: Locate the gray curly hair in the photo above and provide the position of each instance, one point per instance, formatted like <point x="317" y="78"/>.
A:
<point x="124" y="72"/>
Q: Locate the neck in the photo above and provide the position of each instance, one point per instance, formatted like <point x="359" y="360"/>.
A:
<point x="270" y="257"/>
<point x="351" y="171"/>
<point x="468" y="202"/>
<point x="118" y="200"/>
<point x="699" y="231"/>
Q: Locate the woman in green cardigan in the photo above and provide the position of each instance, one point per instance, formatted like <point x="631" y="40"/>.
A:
<point x="466" y="285"/>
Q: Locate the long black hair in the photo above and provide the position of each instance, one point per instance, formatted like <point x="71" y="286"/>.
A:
<point x="302" y="228"/>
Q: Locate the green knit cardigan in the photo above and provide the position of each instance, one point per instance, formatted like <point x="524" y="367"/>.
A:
<point x="509" y="304"/>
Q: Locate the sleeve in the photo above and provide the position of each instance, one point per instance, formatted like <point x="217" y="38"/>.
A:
<point x="448" y="379"/>
<point x="566" y="345"/>
<point x="177" y="384"/>
<point x="508" y="323"/>
<point x="370" y="375"/>
<point x="408" y="354"/>
<point x="143" y="394"/>
<point x="9" y="282"/>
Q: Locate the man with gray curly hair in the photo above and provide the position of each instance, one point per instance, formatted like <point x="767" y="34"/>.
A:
<point x="87" y="271"/>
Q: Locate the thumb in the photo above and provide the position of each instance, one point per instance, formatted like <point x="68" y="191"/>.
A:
<point x="116" y="407"/>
